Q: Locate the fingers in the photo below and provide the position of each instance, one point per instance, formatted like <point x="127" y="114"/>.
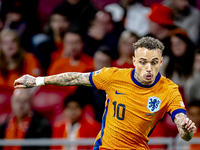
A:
<point x="20" y="86"/>
<point x="19" y="81"/>
<point x="188" y="125"/>
<point x="192" y="127"/>
<point x="184" y="122"/>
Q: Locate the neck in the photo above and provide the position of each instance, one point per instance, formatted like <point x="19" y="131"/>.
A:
<point x="11" y="63"/>
<point x="20" y="119"/>
<point x="57" y="37"/>
<point x="136" y="76"/>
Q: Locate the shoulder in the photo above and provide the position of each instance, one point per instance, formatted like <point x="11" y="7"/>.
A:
<point x="168" y="84"/>
<point x="30" y="57"/>
<point x="119" y="74"/>
<point x="115" y="70"/>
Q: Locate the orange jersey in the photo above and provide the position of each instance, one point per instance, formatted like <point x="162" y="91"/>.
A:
<point x="133" y="109"/>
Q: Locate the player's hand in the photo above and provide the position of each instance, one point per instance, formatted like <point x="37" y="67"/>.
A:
<point x="188" y="125"/>
<point x="26" y="81"/>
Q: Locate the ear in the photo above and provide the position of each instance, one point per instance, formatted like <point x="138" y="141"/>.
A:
<point x="161" y="61"/>
<point x="134" y="61"/>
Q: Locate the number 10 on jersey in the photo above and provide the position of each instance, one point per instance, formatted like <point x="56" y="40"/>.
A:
<point x="117" y="106"/>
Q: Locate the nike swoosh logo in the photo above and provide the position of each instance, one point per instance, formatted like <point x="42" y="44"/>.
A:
<point x="119" y="93"/>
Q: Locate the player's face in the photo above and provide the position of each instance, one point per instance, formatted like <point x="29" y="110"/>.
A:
<point x="147" y="64"/>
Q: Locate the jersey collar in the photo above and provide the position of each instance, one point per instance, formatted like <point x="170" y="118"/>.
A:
<point x="142" y="85"/>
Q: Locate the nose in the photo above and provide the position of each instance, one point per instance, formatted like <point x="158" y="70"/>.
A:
<point x="148" y="67"/>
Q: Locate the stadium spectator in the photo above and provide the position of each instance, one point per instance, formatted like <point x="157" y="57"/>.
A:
<point x="21" y="16"/>
<point x="24" y="123"/>
<point x="45" y="9"/>
<point x="72" y="58"/>
<point x="14" y="61"/>
<point x="132" y="14"/>
<point x="160" y="25"/>
<point x="186" y="17"/>
<point x="126" y="50"/>
<point x="102" y="32"/>
<point x="197" y="61"/>
<point x="102" y="58"/>
<point x="75" y="124"/>
<point x="194" y="90"/>
<point x="178" y="66"/>
<point x="80" y="13"/>
<point x="52" y="41"/>
<point x="194" y="113"/>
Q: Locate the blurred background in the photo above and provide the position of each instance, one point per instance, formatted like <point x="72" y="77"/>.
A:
<point x="47" y="37"/>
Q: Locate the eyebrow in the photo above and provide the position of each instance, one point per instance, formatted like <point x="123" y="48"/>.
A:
<point x="146" y="59"/>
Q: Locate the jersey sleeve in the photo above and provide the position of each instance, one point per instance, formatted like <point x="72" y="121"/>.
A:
<point x="101" y="79"/>
<point x="176" y="103"/>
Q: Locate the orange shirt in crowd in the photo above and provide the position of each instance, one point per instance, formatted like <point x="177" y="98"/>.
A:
<point x="31" y="66"/>
<point x="15" y="130"/>
<point x="124" y="65"/>
<point x="62" y="65"/>
<point x="82" y="129"/>
<point x="196" y="146"/>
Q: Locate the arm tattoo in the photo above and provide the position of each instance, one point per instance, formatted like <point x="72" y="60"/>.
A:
<point x="184" y="133"/>
<point x="29" y="81"/>
<point x="68" y="79"/>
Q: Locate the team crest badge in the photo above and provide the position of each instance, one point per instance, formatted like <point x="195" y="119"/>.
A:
<point x="97" y="72"/>
<point x="153" y="104"/>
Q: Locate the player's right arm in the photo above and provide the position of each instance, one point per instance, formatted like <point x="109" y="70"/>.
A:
<point x="64" y="79"/>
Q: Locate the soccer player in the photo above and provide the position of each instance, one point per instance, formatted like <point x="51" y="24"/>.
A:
<point x="136" y="98"/>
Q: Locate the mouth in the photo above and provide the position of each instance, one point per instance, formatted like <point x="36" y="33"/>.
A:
<point x="148" y="77"/>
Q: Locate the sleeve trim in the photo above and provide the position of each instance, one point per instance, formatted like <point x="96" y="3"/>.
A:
<point x="176" y="112"/>
<point x="91" y="81"/>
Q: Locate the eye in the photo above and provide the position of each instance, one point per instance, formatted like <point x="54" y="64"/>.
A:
<point x="142" y="62"/>
<point x="154" y="62"/>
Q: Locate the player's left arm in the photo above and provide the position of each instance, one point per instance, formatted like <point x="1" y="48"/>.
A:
<point x="186" y="127"/>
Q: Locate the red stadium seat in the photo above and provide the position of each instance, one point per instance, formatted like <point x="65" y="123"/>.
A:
<point x="3" y="117"/>
<point x="5" y="99"/>
<point x="48" y="100"/>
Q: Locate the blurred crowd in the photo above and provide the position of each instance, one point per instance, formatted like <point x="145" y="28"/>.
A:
<point x="47" y="37"/>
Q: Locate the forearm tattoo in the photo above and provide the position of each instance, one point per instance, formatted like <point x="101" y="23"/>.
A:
<point x="184" y="133"/>
<point x="68" y="79"/>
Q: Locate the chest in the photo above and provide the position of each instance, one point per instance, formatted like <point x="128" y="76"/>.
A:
<point x="131" y="101"/>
